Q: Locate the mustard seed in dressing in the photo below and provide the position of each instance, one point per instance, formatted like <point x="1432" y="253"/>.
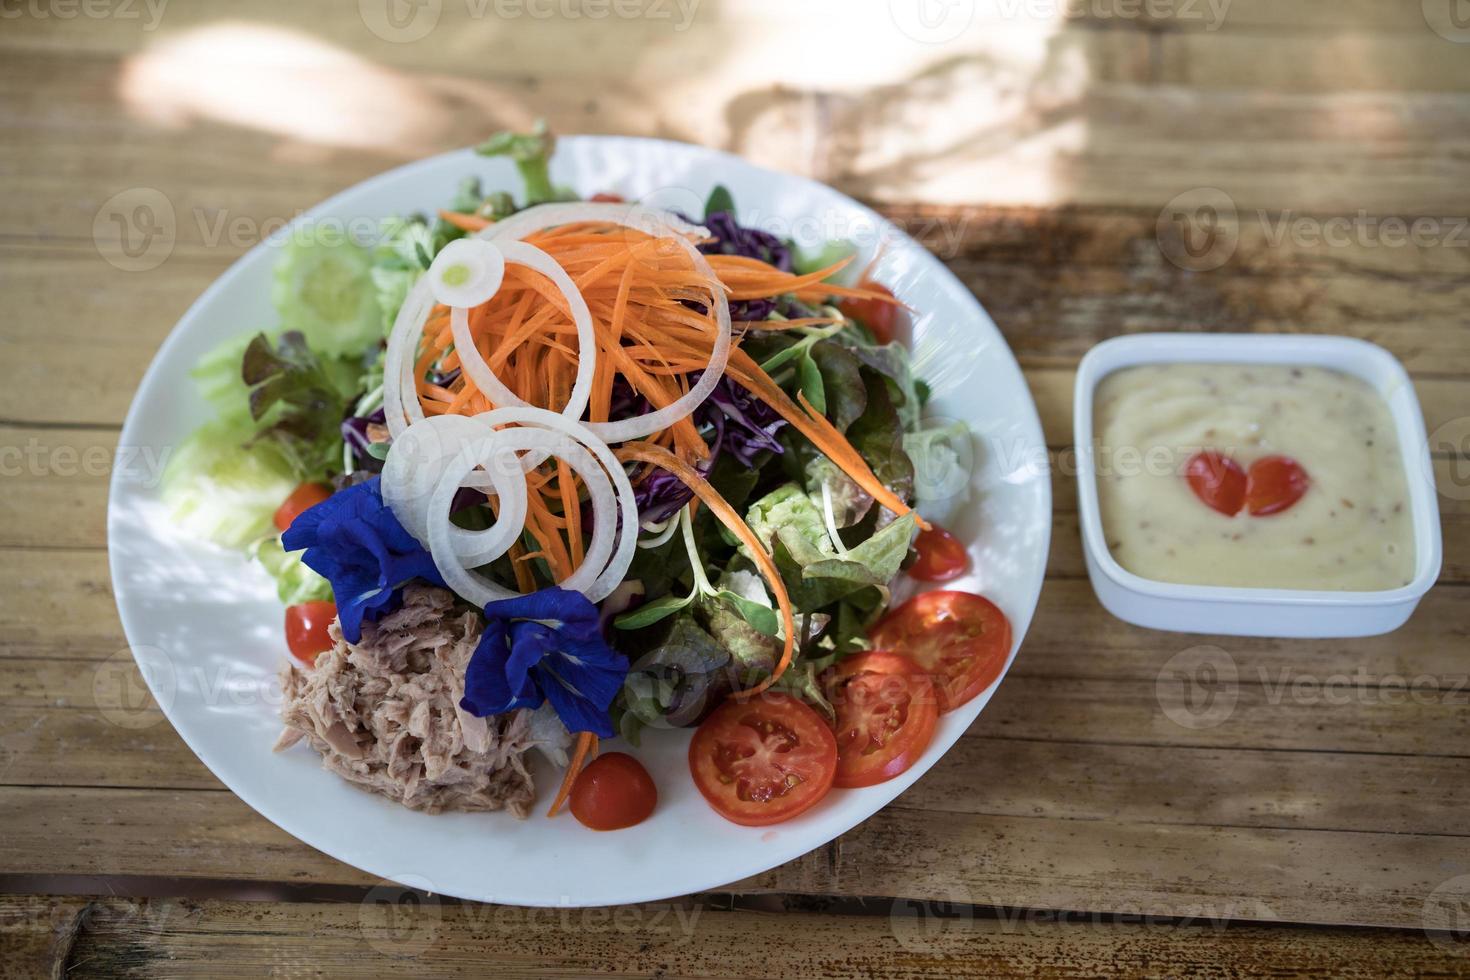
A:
<point x="1350" y="530"/>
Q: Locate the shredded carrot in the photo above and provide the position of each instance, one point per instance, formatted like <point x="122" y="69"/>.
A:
<point x="586" y="744"/>
<point x="645" y="452"/>
<point x="465" y="222"/>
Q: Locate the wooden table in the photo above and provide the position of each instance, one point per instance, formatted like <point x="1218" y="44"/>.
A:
<point x="1092" y="821"/>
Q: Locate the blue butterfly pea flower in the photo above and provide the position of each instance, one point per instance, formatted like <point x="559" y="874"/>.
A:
<point x="353" y="540"/>
<point x="545" y="647"/>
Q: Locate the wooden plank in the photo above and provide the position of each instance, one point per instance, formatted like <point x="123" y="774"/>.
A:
<point x="392" y="927"/>
<point x="36" y="933"/>
<point x="1420" y="61"/>
<point x="59" y="605"/>
<point x="1310" y="18"/>
<point x="1035" y="861"/>
<point x="209" y="834"/>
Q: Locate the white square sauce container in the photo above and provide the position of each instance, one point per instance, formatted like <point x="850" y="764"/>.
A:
<point x="1258" y="612"/>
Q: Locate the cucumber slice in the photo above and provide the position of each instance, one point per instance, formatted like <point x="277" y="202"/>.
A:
<point x="327" y="293"/>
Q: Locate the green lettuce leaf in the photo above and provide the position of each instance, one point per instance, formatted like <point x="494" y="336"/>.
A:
<point x="878" y="436"/>
<point x="675" y="680"/>
<point x="846" y="396"/>
<point x="850" y="502"/>
<point x="295" y="582"/>
<point x="941" y="456"/>
<point x="223" y="487"/>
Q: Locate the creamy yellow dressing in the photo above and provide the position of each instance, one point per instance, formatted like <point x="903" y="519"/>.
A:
<point x="1352" y="530"/>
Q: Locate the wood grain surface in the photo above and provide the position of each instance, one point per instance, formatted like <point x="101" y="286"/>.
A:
<point x="1092" y="822"/>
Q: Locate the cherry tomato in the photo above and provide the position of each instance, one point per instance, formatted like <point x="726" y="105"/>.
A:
<point x="762" y="761"/>
<point x="886" y="713"/>
<point x="306" y="629"/>
<point x="961" y="640"/>
<point x="879" y="317"/>
<point x="304" y="497"/>
<point x="1274" y="484"/>
<point x="613" y="792"/>
<point x="607" y="197"/>
<point x="941" y="556"/>
<point x="1217" y="480"/>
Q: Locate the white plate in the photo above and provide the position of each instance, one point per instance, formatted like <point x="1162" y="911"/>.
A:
<point x="205" y="627"/>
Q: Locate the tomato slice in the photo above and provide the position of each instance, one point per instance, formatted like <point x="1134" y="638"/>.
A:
<point x="879" y="317"/>
<point x="941" y="556"/>
<point x="607" y="196"/>
<point x="306" y="629"/>
<point x="763" y="761"/>
<point x="886" y="713"/>
<point x="304" y="497"/>
<point x="1274" y="484"/>
<point x="1217" y="480"/>
<point x="614" y="791"/>
<point x="961" y="640"/>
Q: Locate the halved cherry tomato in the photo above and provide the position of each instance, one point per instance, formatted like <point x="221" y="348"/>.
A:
<point x="879" y="317"/>
<point x="941" y="556"/>
<point x="304" y="497"/>
<point x="961" y="640"/>
<point x="306" y="629"/>
<point x="1217" y="480"/>
<point x="886" y="713"/>
<point x="1274" y="484"/>
<point x="763" y="761"/>
<point x="613" y="792"/>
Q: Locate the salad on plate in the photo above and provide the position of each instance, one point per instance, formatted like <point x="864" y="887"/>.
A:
<point x="561" y="475"/>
